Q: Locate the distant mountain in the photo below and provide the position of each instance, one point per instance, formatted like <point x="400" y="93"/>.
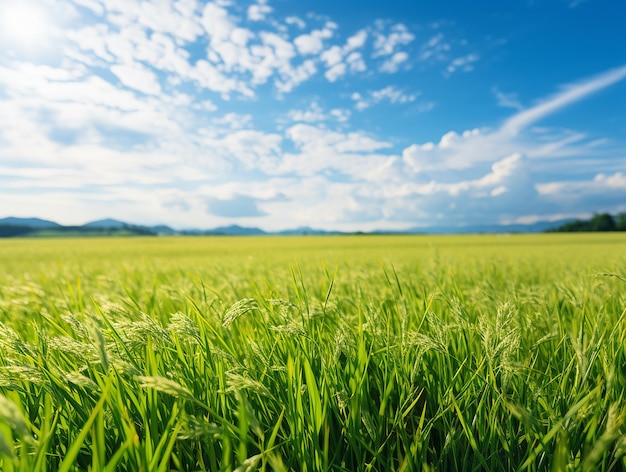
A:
<point x="235" y="230"/>
<point x="11" y="227"/>
<point x="163" y="230"/>
<point x="537" y="227"/>
<point x="30" y="222"/>
<point x="107" y="223"/>
<point x="304" y="231"/>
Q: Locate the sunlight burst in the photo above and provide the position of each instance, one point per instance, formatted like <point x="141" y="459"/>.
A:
<point x="24" y="24"/>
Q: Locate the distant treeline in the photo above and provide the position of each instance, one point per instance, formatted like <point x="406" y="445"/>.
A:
<point x="599" y="222"/>
<point x="8" y="231"/>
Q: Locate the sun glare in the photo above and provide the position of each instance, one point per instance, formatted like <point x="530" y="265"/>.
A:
<point x="23" y="24"/>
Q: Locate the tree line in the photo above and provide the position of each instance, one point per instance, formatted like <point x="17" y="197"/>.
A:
<point x="599" y="222"/>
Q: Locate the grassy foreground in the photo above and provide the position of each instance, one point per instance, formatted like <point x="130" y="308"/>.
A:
<point x="328" y="353"/>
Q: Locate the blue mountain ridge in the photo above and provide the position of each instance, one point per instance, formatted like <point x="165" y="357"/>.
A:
<point x="236" y="230"/>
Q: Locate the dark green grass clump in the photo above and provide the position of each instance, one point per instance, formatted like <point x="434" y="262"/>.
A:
<point x="473" y="353"/>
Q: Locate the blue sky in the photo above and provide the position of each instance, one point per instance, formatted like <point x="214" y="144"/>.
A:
<point x="337" y="115"/>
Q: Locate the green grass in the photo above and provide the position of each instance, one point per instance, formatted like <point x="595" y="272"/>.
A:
<point x="314" y="353"/>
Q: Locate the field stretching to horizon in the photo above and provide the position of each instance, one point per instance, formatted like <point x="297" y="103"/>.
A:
<point x="313" y="353"/>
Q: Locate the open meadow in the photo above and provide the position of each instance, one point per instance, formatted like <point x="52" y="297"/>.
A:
<point x="313" y="353"/>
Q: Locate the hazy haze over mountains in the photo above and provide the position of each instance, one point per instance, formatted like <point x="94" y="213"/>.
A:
<point x="110" y="226"/>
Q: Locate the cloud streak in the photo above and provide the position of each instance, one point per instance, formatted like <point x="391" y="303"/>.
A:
<point x="571" y="94"/>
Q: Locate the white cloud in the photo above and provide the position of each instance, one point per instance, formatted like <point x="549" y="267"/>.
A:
<point x="309" y="44"/>
<point x="206" y="105"/>
<point x="238" y="59"/>
<point x="390" y="93"/>
<point x="315" y="113"/>
<point x="322" y="149"/>
<point x="604" y="192"/>
<point x="392" y="64"/>
<point x="340" y="114"/>
<point x="463" y="63"/>
<point x="179" y="19"/>
<point x="252" y="149"/>
<point x="434" y="49"/>
<point x="94" y="5"/>
<point x="385" y="45"/>
<point x="570" y="95"/>
<point x="500" y="170"/>
<point x="131" y="44"/>
<point x="355" y="62"/>
<point x="313" y="42"/>
<point x="207" y="75"/>
<point x="311" y="115"/>
<point x="137" y="77"/>
<point x="336" y="71"/>
<point x="340" y="60"/>
<point x="259" y="11"/>
<point x="217" y="22"/>
<point x="294" y="20"/>
<point x="294" y="77"/>
<point x="601" y="184"/>
<point x="234" y="121"/>
<point x="312" y="138"/>
<point x="507" y="100"/>
<point x="356" y="41"/>
<point x="332" y="56"/>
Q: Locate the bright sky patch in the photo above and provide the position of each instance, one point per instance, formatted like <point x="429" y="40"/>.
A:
<point x="351" y="116"/>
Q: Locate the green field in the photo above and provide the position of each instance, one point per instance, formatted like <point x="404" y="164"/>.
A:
<point x="314" y="353"/>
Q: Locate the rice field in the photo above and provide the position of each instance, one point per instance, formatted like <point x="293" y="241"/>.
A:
<point x="345" y="353"/>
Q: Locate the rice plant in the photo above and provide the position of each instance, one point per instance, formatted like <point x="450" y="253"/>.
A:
<point x="329" y="353"/>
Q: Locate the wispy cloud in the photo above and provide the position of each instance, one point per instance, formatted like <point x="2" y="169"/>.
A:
<point x="436" y="48"/>
<point x="463" y="63"/>
<point x="390" y="93"/>
<point x="569" y="95"/>
<point x="507" y="100"/>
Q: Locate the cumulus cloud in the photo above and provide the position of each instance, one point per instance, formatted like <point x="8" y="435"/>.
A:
<point x="341" y="114"/>
<point x="234" y="120"/>
<point x="387" y="44"/>
<point x="356" y="41"/>
<point x="390" y="93"/>
<point x="296" y="21"/>
<point x="137" y="77"/>
<point x="499" y="169"/>
<point x="313" y="42"/>
<point x="392" y="64"/>
<point x="311" y="115"/>
<point x="319" y="149"/>
<point x="139" y="38"/>
<point x="309" y="138"/>
<point x="601" y="184"/>
<point x="259" y="11"/>
<point x="340" y="60"/>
